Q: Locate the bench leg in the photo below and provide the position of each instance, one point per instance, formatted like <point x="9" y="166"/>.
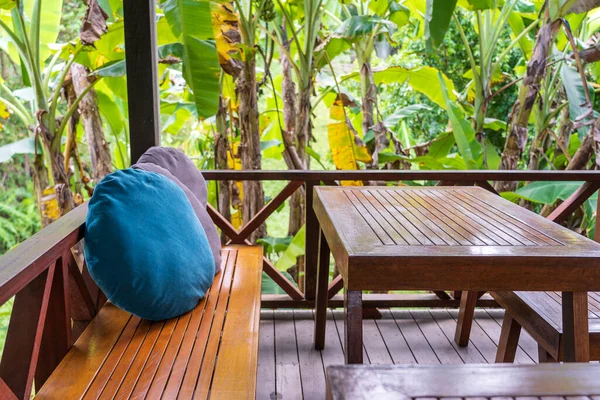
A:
<point x="544" y="356"/>
<point x="509" y="340"/>
<point x="468" y="300"/>
<point x="321" y="296"/>
<point x="576" y="337"/>
<point x="353" y="326"/>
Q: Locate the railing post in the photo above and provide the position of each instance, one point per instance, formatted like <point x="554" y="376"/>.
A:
<point x="142" y="77"/>
<point x="311" y="244"/>
<point x="56" y="336"/>
<point x="19" y="356"/>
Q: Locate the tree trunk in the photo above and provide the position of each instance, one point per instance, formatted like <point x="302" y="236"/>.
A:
<point x="92" y="123"/>
<point x="40" y="183"/>
<point x="564" y="134"/>
<point x="586" y="149"/>
<point x="303" y="125"/>
<point x="368" y="94"/>
<point x="519" y="117"/>
<point x="291" y="154"/>
<point x="221" y="150"/>
<point x="249" y="148"/>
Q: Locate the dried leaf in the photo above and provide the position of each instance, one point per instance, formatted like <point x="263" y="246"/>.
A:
<point x="94" y="24"/>
<point x="227" y="37"/>
<point x="50" y="209"/>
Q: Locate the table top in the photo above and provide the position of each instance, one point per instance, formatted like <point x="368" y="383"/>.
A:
<point x="462" y="381"/>
<point x="441" y="230"/>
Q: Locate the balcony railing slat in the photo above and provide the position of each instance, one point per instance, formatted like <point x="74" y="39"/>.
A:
<point x="56" y="334"/>
<point x="573" y="202"/>
<point x="281" y="280"/>
<point x="23" y="339"/>
<point x="265" y="212"/>
<point x="395" y="175"/>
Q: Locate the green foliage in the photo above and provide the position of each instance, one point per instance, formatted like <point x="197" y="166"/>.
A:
<point x="19" y="217"/>
<point x="437" y="19"/>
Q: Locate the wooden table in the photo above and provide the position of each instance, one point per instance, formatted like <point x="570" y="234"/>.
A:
<point x="447" y="238"/>
<point x="463" y="381"/>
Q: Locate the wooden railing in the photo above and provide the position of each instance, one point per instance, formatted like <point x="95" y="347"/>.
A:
<point x="294" y="298"/>
<point x="55" y="298"/>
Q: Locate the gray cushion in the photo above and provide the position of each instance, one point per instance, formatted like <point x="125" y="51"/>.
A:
<point x="209" y="227"/>
<point x="179" y="165"/>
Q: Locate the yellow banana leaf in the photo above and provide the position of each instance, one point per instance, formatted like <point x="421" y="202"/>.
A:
<point x="347" y="148"/>
<point x="234" y="162"/>
<point x="50" y="209"/>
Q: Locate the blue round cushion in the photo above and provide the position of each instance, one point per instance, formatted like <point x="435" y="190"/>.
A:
<point x="144" y="246"/>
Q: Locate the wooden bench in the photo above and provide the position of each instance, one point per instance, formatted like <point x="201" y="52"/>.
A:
<point x="457" y="382"/>
<point x="540" y="314"/>
<point x="211" y="351"/>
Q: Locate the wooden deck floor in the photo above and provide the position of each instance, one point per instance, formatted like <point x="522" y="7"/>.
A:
<point x="290" y="368"/>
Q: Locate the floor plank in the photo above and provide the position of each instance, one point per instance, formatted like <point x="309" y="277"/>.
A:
<point x="287" y="365"/>
<point x="479" y="339"/>
<point x="311" y="363"/>
<point x="436" y="338"/>
<point x="290" y="367"/>
<point x="469" y="354"/>
<point x="333" y="353"/>
<point x="266" y="357"/>
<point x="394" y="340"/>
<point x="419" y="346"/>
<point x="375" y="346"/>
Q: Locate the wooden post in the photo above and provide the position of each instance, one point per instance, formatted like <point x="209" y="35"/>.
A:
<point x="576" y="337"/>
<point x="322" y="295"/>
<point x="311" y="244"/>
<point x="141" y="54"/>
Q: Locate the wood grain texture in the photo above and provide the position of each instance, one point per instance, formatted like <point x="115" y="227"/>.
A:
<point x="509" y="340"/>
<point x="25" y="262"/>
<point x="26" y="325"/>
<point x="468" y="301"/>
<point x="480" y="241"/>
<point x="211" y="349"/>
<point x="322" y="292"/>
<point x="435" y="238"/>
<point x="541" y="315"/>
<point x="5" y="392"/>
<point x="464" y="381"/>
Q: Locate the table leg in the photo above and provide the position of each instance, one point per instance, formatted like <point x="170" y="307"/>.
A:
<point x="468" y="301"/>
<point x="576" y="337"/>
<point x="321" y="295"/>
<point x="353" y="326"/>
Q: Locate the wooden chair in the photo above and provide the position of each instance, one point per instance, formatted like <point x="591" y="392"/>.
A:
<point x="211" y="351"/>
<point x="540" y="313"/>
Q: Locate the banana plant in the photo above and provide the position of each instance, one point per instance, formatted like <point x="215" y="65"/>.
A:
<point x="554" y="14"/>
<point x="365" y="24"/>
<point x="491" y="19"/>
<point x="45" y="65"/>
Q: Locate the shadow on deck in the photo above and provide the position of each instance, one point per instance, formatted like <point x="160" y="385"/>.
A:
<point x="290" y="368"/>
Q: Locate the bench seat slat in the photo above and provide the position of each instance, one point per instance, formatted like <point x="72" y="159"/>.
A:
<point x="235" y="352"/>
<point x="211" y="350"/>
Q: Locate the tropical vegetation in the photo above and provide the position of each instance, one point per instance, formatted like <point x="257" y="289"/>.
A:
<point x="290" y="84"/>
